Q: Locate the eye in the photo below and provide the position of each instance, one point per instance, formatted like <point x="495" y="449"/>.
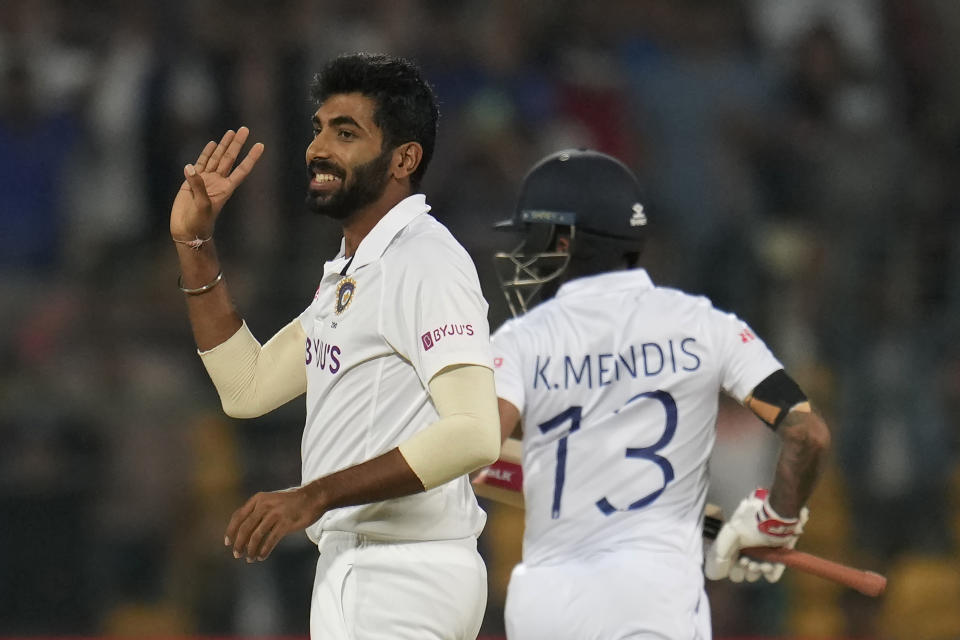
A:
<point x="346" y="134"/>
<point x="316" y="131"/>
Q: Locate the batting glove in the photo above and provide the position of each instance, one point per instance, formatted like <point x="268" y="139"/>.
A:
<point x="753" y="524"/>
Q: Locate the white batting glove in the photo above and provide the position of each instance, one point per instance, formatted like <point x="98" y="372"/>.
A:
<point x="753" y="524"/>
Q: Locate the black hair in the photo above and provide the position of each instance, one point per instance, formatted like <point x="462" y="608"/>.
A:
<point x="406" y="109"/>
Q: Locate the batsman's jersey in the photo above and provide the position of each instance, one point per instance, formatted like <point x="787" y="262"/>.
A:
<point x="617" y="382"/>
<point x="381" y="325"/>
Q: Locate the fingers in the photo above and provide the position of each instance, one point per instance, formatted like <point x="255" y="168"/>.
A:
<point x="751" y="570"/>
<point x="270" y="542"/>
<point x="257" y="547"/>
<point x="257" y="527"/>
<point x="772" y="572"/>
<point x="748" y="569"/>
<point x="246" y="166"/>
<point x="205" y="155"/>
<point x="231" y="151"/>
<point x="244" y="530"/>
<point x="737" y="573"/>
<point x="237" y="519"/>
<point x="197" y="188"/>
<point x="217" y="156"/>
<point x="220" y="157"/>
<point x="720" y="558"/>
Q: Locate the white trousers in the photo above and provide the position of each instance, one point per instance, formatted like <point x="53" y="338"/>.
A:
<point x="613" y="596"/>
<point x="371" y="590"/>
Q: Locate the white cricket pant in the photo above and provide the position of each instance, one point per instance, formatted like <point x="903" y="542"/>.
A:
<point x="611" y="596"/>
<point x="367" y="589"/>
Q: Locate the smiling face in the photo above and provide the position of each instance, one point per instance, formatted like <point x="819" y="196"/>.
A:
<point x="347" y="165"/>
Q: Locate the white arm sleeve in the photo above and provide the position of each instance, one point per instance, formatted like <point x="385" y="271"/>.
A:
<point x="254" y="380"/>
<point x="467" y="435"/>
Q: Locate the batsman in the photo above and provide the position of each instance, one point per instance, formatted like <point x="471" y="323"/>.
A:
<point x="616" y="383"/>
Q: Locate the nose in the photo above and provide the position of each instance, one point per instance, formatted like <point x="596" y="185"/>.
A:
<point x="316" y="149"/>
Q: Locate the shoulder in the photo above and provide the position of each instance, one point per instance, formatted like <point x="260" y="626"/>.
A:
<point x="526" y="328"/>
<point x="425" y="245"/>
<point x="508" y="330"/>
<point x="683" y="298"/>
<point x="689" y="305"/>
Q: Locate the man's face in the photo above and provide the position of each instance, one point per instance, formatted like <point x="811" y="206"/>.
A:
<point x="347" y="168"/>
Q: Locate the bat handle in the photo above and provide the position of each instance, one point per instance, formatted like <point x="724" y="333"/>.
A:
<point x="866" y="582"/>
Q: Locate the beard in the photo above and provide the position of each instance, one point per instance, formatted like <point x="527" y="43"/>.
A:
<point x="367" y="184"/>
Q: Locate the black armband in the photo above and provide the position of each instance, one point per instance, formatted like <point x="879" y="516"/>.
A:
<point x="779" y="389"/>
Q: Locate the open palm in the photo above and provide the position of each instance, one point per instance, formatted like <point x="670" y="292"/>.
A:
<point x="209" y="184"/>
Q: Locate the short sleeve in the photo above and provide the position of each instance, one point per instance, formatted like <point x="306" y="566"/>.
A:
<point x="746" y="359"/>
<point x="507" y="370"/>
<point x="434" y="313"/>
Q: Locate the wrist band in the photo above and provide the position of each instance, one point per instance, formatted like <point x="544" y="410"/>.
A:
<point x="194" y="244"/>
<point x="199" y="290"/>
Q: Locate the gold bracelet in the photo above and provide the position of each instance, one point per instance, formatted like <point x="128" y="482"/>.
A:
<point x="199" y="290"/>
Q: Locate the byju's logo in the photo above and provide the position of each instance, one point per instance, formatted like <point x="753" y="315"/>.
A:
<point x="432" y="337"/>
<point x="323" y="355"/>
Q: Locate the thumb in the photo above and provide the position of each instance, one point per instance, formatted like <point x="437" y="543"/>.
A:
<point x="722" y="553"/>
<point x="197" y="188"/>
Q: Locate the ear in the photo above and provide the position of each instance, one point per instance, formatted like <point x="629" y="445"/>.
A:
<point x="406" y="159"/>
<point x="563" y="244"/>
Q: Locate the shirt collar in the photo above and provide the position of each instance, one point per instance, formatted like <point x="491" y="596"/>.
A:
<point x="628" y="279"/>
<point x="378" y="239"/>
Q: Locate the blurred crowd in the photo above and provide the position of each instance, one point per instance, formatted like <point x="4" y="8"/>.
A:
<point x="802" y="165"/>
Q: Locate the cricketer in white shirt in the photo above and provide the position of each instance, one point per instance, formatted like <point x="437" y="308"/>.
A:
<point x="385" y="329"/>
<point x="617" y="383"/>
<point x="393" y="355"/>
<point x="382" y="324"/>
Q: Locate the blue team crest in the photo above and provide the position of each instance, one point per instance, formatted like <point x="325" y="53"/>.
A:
<point x="346" y="289"/>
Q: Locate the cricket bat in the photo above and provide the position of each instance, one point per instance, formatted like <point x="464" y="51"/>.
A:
<point x="502" y="482"/>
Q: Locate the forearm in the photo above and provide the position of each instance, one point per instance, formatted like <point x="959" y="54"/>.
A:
<point x="213" y="317"/>
<point x="466" y="437"/>
<point x="253" y="380"/>
<point x="391" y="476"/>
<point x="509" y="418"/>
<point x="381" y="478"/>
<point x="805" y="443"/>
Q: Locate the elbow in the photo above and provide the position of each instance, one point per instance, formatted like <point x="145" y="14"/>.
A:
<point x="812" y="436"/>
<point x="486" y="447"/>
<point x="238" y="410"/>
<point x="819" y="435"/>
<point x="488" y="450"/>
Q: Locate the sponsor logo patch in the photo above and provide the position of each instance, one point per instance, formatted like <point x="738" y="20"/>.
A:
<point x="432" y="337"/>
<point x="322" y="355"/>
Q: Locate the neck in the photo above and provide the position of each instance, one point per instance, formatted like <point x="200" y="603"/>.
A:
<point x="360" y="222"/>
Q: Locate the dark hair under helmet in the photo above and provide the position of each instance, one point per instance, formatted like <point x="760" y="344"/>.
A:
<point x="586" y="191"/>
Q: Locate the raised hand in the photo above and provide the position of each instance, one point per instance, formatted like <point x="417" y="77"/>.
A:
<point x="209" y="183"/>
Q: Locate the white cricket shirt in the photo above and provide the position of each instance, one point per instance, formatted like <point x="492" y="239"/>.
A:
<point x="617" y="381"/>
<point x="380" y="327"/>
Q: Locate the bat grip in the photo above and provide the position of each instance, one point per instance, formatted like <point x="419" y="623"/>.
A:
<point x="866" y="582"/>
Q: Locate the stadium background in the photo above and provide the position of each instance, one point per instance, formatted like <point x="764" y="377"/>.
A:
<point x="801" y="159"/>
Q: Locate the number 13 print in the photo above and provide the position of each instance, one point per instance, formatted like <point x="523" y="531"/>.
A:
<point x="574" y="415"/>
